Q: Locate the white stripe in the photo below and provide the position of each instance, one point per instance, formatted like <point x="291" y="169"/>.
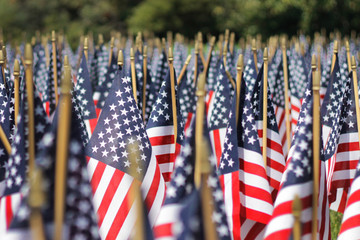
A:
<point x="163" y="149"/>
<point x="288" y="193"/>
<point x="256" y="204"/>
<point x="344" y="174"/>
<point x="228" y="200"/>
<point x="169" y="214"/>
<point x="160" y="131"/>
<point x="348" y="156"/>
<point x="104" y="182"/>
<point x="91" y="167"/>
<point x="249" y="225"/>
<point x="254" y="180"/>
<point x="2" y="216"/>
<point x="88" y="128"/>
<point x="118" y="198"/>
<point x="349" y="234"/>
<point x="127" y="228"/>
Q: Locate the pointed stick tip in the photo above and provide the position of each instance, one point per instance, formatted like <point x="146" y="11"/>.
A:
<point x="188" y="59"/>
<point x="353" y="63"/>
<point x="240" y="62"/>
<point x="86" y="43"/>
<point x="336" y="46"/>
<point x="120" y="60"/>
<point x="313" y="62"/>
<point x="347" y="46"/>
<point x="53" y="36"/>
<point x="145" y="51"/>
<point x="100" y="39"/>
<point x="212" y="41"/>
<point x="112" y="42"/>
<point x="253" y="44"/>
<point x="28" y="54"/>
<point x="170" y="55"/>
<point x="16" y="68"/>
<point x="265" y="54"/>
<point x="2" y="58"/>
<point x="66" y="61"/>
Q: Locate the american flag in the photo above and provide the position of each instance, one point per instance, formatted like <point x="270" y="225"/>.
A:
<point x="250" y="73"/>
<point x="85" y="96"/>
<point x="298" y="82"/>
<point x="187" y="100"/>
<point x="5" y="122"/>
<point x="219" y="109"/>
<point x="106" y="85"/>
<point x="342" y="147"/>
<point x="211" y="79"/>
<point x="298" y="180"/>
<point x="279" y="105"/>
<point x="16" y="166"/>
<point x="172" y="222"/>
<point x="255" y="195"/>
<point x="156" y="79"/>
<point x="40" y="71"/>
<point x="350" y="221"/>
<point x="160" y="129"/>
<point x="229" y="173"/>
<point x="80" y="219"/>
<point x="48" y="94"/>
<point x="120" y="126"/>
<point x="275" y="158"/>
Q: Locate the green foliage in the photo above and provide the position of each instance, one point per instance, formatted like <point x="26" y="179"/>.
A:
<point x="335" y="223"/>
<point x="267" y="17"/>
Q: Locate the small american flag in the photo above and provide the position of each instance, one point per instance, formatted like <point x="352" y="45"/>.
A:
<point x="298" y="180"/>
<point x="160" y="129"/>
<point x="275" y="158"/>
<point x="120" y="128"/>
<point x="350" y="221"/>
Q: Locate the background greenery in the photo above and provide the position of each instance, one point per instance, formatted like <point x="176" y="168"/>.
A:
<point x="267" y="17"/>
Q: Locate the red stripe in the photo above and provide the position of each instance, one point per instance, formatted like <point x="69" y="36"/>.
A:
<point x="286" y="207"/>
<point x="353" y="198"/>
<point x="350" y="223"/>
<point x="8" y="210"/>
<point x="252" y="168"/>
<point x="150" y="197"/>
<point x="165" y="158"/>
<point x="255" y="231"/>
<point x="217" y="143"/>
<point x="348" y="147"/>
<point x="121" y="215"/>
<point x="164" y="230"/>
<point x="162" y="140"/>
<point x="167" y="176"/>
<point x="207" y="105"/>
<point x="188" y="121"/>
<point x="109" y="194"/>
<point x="255" y="215"/>
<point x="97" y="175"/>
<point x="346" y="165"/>
<point x="255" y="192"/>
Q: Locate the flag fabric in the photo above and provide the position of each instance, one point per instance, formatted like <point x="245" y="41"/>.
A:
<point x="211" y="79"/>
<point x="219" y="108"/>
<point x="229" y="173"/>
<point x="15" y="167"/>
<point x="187" y="100"/>
<point x="79" y="217"/>
<point x="342" y="147"/>
<point x="85" y="96"/>
<point x="119" y="131"/>
<point x="298" y="180"/>
<point x="297" y="83"/>
<point x="160" y="129"/>
<point x="48" y="94"/>
<point x="180" y="206"/>
<point x="40" y="71"/>
<point x="279" y="105"/>
<point x="350" y="221"/>
<point x="274" y="150"/>
<point x="256" y="203"/>
<point x="250" y="73"/>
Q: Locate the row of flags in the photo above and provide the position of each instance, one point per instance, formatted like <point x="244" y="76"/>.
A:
<point x="251" y="197"/>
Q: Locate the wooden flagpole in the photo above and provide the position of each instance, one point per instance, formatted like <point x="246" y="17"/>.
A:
<point x="356" y="93"/>
<point x="30" y="102"/>
<point x="2" y="63"/>
<point x="135" y="197"/>
<point x="212" y="43"/>
<point x="265" y="101"/>
<point x="16" y="88"/>
<point x="348" y="55"/>
<point x="334" y="55"/>
<point x="111" y="49"/>
<point x="86" y="48"/>
<point x="253" y="48"/>
<point x="224" y="54"/>
<point x="207" y="204"/>
<point x="173" y="96"/>
<point x="296" y="211"/>
<point x="53" y="42"/>
<point x="196" y="52"/>
<point x="200" y="110"/>
<point x="100" y="40"/>
<point x="232" y="42"/>
<point x="133" y="74"/>
<point x="44" y="43"/>
<point x="286" y="91"/>
<point x="62" y="145"/>
<point x="5" y="56"/>
<point x="36" y="200"/>
<point x="144" y="82"/>
<point x="220" y="44"/>
<point x="316" y="152"/>
<point x="239" y="68"/>
<point x="201" y="48"/>
<point x="183" y="70"/>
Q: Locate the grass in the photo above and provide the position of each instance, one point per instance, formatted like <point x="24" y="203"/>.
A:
<point x="335" y="223"/>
